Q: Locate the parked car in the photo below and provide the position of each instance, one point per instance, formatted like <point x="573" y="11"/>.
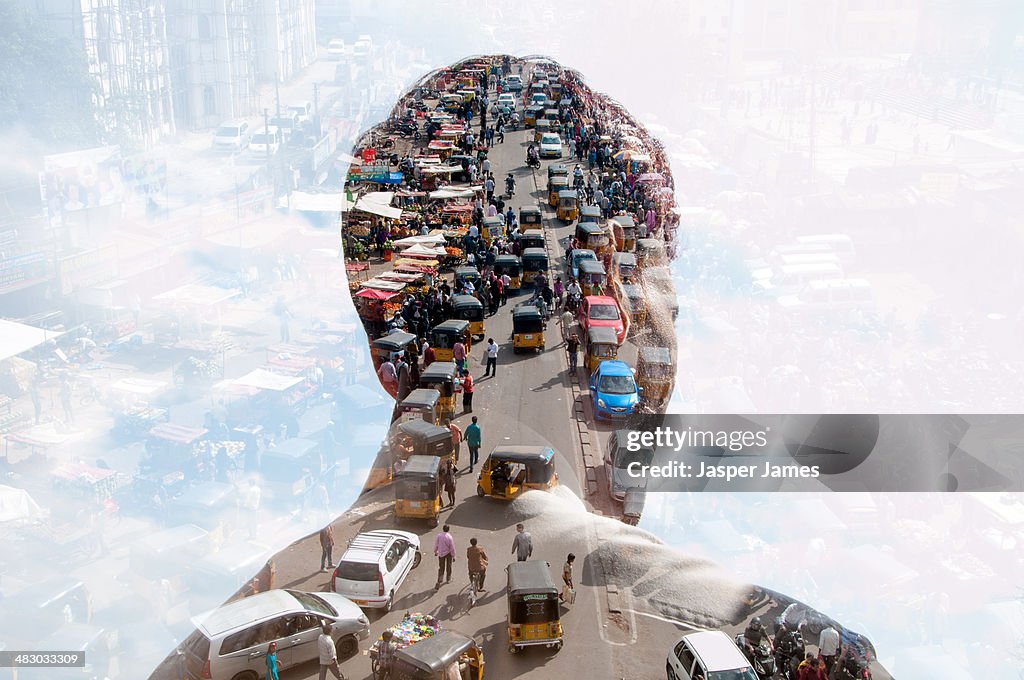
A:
<point x="232" y="136"/>
<point x="374" y="566"/>
<point x="708" y="654"/>
<point x="601" y="310"/>
<point x="266" y="141"/>
<point x="618" y="458"/>
<point x="550" y="146"/>
<point x="230" y="642"/>
<point x="614" y="391"/>
<point x="336" y="48"/>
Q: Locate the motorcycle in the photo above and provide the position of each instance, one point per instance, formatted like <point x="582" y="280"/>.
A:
<point x="788" y="655"/>
<point x="533" y="161"/>
<point x="761" y="659"/>
<point x="572" y="302"/>
<point x="510" y="188"/>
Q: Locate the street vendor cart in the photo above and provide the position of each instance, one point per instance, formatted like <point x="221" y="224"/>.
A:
<point x="412" y="629"/>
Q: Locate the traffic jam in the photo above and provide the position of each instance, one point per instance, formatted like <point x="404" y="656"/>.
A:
<point x="507" y="239"/>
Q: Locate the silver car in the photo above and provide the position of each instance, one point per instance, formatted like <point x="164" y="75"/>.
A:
<point x="230" y="642"/>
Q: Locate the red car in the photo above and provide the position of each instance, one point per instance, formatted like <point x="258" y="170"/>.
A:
<point x="601" y="310"/>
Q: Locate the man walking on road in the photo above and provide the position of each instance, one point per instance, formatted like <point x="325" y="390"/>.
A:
<point x="572" y="346"/>
<point x="476" y="559"/>
<point x="828" y="647"/>
<point x="444" y="548"/>
<point x="522" y="544"/>
<point x="326" y="546"/>
<point x="448" y="476"/>
<point x="456" y="439"/>
<point x="467" y="391"/>
<point x="473" y="439"/>
<point x="491" y="352"/>
<point x="328" y="654"/>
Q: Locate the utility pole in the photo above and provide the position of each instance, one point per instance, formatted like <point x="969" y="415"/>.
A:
<point x="266" y="132"/>
<point x="277" y="96"/>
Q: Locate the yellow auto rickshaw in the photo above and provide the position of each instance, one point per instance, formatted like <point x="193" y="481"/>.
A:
<point x="452" y="102"/>
<point x="654" y="373"/>
<point x="417" y="483"/>
<point x="650" y="252"/>
<point x="624" y="267"/>
<point x="444" y="335"/>
<point x="420" y="404"/>
<point x="535" y="261"/>
<point x="556" y="185"/>
<point x="527" y="328"/>
<point x="568" y="205"/>
<point x="530" y="115"/>
<point x="530" y="216"/>
<point x="592" y="237"/>
<point x="557" y="170"/>
<point x="493" y="228"/>
<point x="390" y="346"/>
<point x="511" y="265"/>
<point x="602" y="345"/>
<point x="590" y="213"/>
<point x="533" y="607"/>
<point x="511" y="470"/>
<point x="440" y="376"/>
<point x="470" y="309"/>
<point x="467" y="272"/>
<point x="442" y="656"/>
<point x="556" y="90"/>
<point x="541" y="128"/>
<point x="634" y="302"/>
<point x="624" y="230"/>
<point x="592" y="277"/>
<point x="467" y="95"/>
<point x="532" y="238"/>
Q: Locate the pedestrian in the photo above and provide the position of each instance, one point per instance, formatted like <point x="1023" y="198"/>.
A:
<point x="491" y="352"/>
<point x="405" y="383"/>
<point x="474" y="437"/>
<point x="476" y="560"/>
<point x="558" y="290"/>
<point x="456" y="439"/>
<point x="444" y="549"/>
<point x="459" y="355"/>
<point x="449" y="482"/>
<point x="271" y="661"/>
<point x="522" y="544"/>
<point x="428" y="355"/>
<point x="506" y="281"/>
<point x="467" y="391"/>
<point x="572" y="346"/>
<point x="326" y="546"/>
<point x="388" y="377"/>
<point x="828" y="647"/>
<point x="328" y="654"/>
<point x="568" y="594"/>
<point x="489" y="188"/>
<point x="65" y="399"/>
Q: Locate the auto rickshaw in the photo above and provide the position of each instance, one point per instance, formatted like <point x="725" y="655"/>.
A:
<point x="568" y="205"/>
<point x="468" y="308"/>
<point x="556" y="90"/>
<point x="624" y="267"/>
<point x="467" y="95"/>
<point x="654" y="373"/>
<point x="512" y="470"/>
<point x="557" y="170"/>
<point x="590" y="213"/>
<point x="592" y="237"/>
<point x="634" y="301"/>
<point x="556" y="122"/>
<point x="493" y="228"/>
<point x="467" y="272"/>
<point x="527" y="328"/>
<point x="420" y="404"/>
<point x="420" y="438"/>
<point x="556" y="184"/>
<point x="535" y="261"/>
<point x="602" y="345"/>
<point x="530" y="216"/>
<point x="444" y="335"/>
<point x="650" y="252"/>
<point x="624" y="230"/>
<point x="533" y="608"/>
<point x="530" y="115"/>
<point x="511" y="265"/>
<point x="445" y="654"/>
<point x="590" y="275"/>
<point x="440" y="376"/>
<point x="532" y="238"/>
<point x="388" y="346"/>
<point x="541" y="128"/>
<point x="417" y="485"/>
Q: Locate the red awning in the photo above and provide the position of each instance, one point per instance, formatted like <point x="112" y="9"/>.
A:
<point x="374" y="294"/>
<point x="356" y="266"/>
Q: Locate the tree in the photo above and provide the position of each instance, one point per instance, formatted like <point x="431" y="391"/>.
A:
<point x="45" y="80"/>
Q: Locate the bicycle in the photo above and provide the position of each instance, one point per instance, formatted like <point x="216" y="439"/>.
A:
<point x="476" y="586"/>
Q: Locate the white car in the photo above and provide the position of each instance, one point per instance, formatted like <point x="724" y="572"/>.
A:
<point x="507" y="99"/>
<point x="375" y="565"/>
<point x="232" y="136"/>
<point x="709" y="655"/>
<point x="550" y="146"/>
<point x="539" y="99"/>
<point x="265" y="142"/>
<point x="514" y="83"/>
<point x="336" y="48"/>
<point x="303" y="111"/>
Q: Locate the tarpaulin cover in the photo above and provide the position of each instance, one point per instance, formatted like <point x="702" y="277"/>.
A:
<point x="16" y="338"/>
<point x="371" y="294"/>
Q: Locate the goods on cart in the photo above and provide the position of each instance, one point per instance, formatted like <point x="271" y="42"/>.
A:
<point x="410" y="630"/>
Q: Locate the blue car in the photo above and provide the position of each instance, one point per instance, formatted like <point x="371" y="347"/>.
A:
<point x="614" y="390"/>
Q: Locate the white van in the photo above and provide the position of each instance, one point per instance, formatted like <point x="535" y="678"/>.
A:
<point x="790" y="279"/>
<point x="833" y="295"/>
<point x="336" y="48"/>
<point x="303" y="110"/>
<point x="707" y="655"/>
<point x="841" y="244"/>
